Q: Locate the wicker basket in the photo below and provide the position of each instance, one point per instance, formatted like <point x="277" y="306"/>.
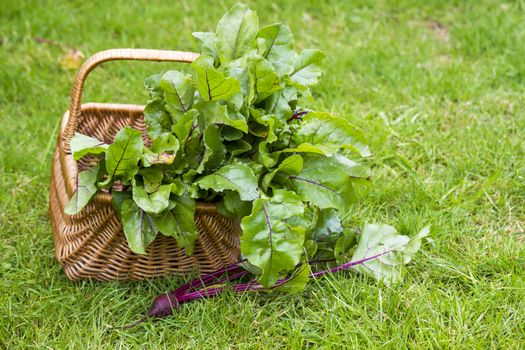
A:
<point x="92" y="244"/>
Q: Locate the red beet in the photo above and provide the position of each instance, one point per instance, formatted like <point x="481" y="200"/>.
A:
<point x="213" y="284"/>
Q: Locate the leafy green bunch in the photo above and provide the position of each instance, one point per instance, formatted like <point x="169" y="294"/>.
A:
<point x="236" y="131"/>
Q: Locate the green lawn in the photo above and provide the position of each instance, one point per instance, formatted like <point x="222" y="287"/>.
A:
<point x="439" y="87"/>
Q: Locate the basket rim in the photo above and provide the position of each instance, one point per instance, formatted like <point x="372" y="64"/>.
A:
<point x="104" y="197"/>
<point x="94" y="106"/>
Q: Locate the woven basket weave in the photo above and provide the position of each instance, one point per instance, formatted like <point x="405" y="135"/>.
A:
<point x="91" y="244"/>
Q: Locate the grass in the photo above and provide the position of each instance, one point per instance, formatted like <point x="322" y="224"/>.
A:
<point x="438" y="86"/>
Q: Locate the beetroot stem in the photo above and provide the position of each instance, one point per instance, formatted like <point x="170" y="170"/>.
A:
<point x="254" y="286"/>
<point x="214" y="283"/>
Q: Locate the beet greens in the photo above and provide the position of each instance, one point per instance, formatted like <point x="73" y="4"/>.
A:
<point x="239" y="130"/>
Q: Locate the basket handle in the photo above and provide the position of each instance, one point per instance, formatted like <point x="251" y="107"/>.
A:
<point x="113" y="55"/>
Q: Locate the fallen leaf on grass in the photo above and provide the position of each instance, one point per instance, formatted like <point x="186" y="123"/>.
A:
<point x="72" y="59"/>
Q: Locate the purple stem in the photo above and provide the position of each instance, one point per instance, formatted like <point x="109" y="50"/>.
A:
<point x="166" y="303"/>
<point x="214" y="284"/>
<point x="296" y="115"/>
<point x="211" y="292"/>
<point x="253" y="285"/>
<point x="205" y="280"/>
<point x="347" y="265"/>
